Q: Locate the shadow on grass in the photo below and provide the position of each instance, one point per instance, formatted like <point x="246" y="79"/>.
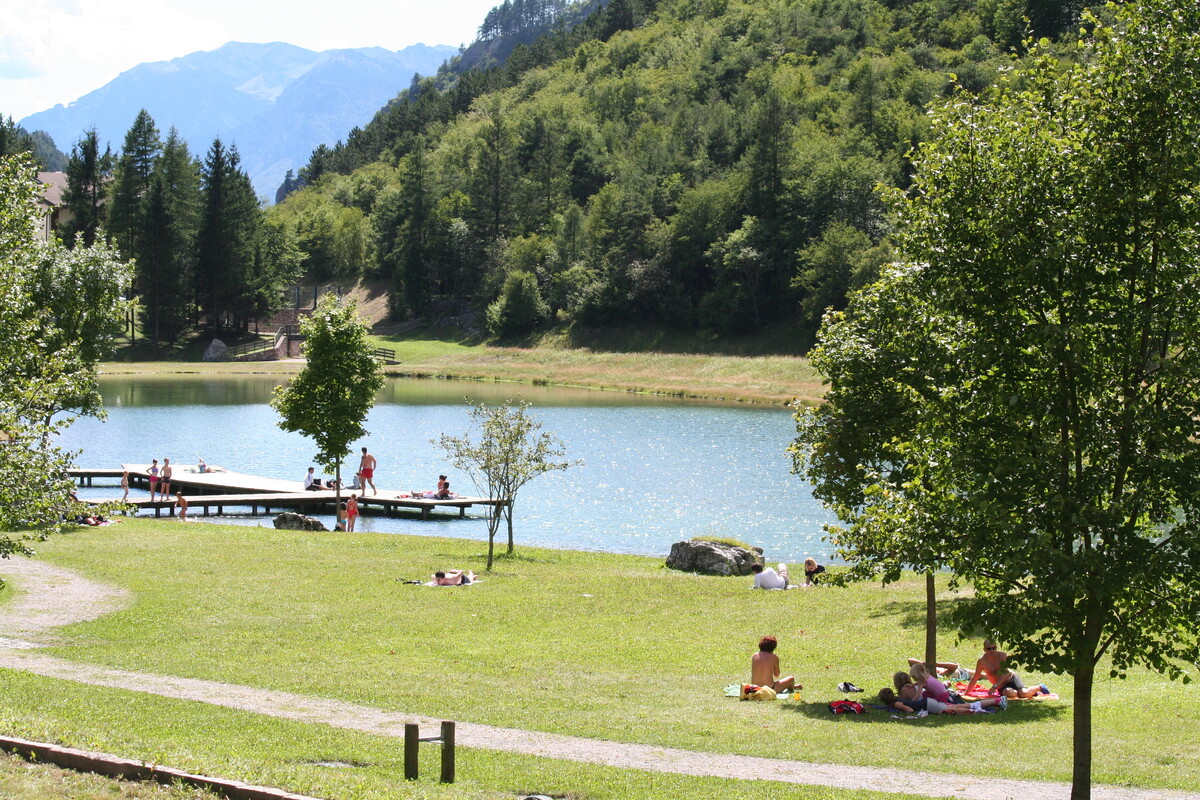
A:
<point x="1019" y="712"/>
<point x="911" y="614"/>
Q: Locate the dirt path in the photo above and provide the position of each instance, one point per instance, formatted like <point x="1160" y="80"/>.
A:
<point x="49" y="597"/>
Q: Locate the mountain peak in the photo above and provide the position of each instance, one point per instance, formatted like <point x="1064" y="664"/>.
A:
<point x="232" y="92"/>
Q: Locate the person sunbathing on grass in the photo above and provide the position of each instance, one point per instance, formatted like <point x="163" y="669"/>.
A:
<point x="946" y="669"/>
<point x="1005" y="682"/>
<point x="454" y="577"/>
<point x="910" y="702"/>
<point x="931" y="686"/>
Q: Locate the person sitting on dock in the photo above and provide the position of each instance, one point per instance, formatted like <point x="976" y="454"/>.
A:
<point x="442" y="483"/>
<point x="311" y="482"/>
<point x="202" y="467"/>
<point x="443" y="492"/>
<point x="453" y="577"/>
<point x="181" y="504"/>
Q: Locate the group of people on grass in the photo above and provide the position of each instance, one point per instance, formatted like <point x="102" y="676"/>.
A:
<point x="917" y="691"/>
<point x="769" y="578"/>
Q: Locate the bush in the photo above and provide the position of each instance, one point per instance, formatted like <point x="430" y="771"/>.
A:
<point x="519" y="309"/>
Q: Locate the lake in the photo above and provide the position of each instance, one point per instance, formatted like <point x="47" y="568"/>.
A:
<point x="656" y="470"/>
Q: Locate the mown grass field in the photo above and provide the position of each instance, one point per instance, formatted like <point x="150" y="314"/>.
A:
<point x="640" y="367"/>
<point x="590" y="644"/>
<point x="25" y="780"/>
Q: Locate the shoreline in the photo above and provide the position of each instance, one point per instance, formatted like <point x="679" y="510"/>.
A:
<point x="760" y="380"/>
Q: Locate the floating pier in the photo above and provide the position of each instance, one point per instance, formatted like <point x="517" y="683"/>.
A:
<point x="220" y="488"/>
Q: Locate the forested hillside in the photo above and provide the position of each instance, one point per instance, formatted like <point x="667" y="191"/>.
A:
<point x="15" y="139"/>
<point x="703" y="164"/>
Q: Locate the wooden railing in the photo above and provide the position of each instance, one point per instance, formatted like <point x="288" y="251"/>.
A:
<point x="249" y="349"/>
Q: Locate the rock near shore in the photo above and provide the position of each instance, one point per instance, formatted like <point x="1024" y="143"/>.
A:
<point x="713" y="558"/>
<point x="291" y="521"/>
<point x="216" y="351"/>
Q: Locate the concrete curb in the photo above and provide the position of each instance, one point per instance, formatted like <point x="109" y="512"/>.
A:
<point x="114" y="767"/>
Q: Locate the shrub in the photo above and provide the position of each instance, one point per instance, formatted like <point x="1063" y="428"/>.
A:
<point x="519" y="309"/>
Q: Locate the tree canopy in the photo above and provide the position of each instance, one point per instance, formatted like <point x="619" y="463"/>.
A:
<point x="1018" y="394"/>
<point x="58" y="312"/>
<point x="690" y="165"/>
<point x="329" y="399"/>
<point x="511" y="450"/>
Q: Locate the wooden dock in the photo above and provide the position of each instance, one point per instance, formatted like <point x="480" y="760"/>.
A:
<point x="207" y="490"/>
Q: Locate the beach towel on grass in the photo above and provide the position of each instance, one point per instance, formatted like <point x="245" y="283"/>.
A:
<point x="735" y="690"/>
<point x="979" y="692"/>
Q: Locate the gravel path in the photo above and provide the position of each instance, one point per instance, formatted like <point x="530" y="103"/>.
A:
<point x="49" y="597"/>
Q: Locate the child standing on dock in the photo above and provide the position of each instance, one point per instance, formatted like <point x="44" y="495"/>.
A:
<point x="153" y="473"/>
<point x="164" y="487"/>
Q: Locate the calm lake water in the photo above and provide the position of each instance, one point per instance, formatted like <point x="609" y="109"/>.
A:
<point x="655" y="470"/>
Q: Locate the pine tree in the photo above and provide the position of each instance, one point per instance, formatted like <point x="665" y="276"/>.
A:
<point x="87" y="173"/>
<point x="225" y="244"/>
<point x="130" y="186"/>
<point x="170" y="221"/>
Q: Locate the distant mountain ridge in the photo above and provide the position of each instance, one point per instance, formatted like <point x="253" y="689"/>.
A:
<point x="277" y="102"/>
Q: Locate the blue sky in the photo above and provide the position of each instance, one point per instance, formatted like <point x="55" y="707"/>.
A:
<point x="55" y="51"/>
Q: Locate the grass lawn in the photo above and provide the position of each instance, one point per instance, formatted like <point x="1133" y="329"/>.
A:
<point x="596" y="645"/>
<point x="322" y="761"/>
<point x="25" y="780"/>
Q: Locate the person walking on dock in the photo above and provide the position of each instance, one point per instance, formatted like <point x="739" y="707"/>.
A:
<point x="366" y="472"/>
<point x="164" y="487"/>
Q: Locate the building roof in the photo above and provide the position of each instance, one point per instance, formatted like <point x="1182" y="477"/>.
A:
<point x="54" y="185"/>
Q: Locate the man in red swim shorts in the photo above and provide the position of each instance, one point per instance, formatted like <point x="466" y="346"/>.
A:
<point x="366" y="471"/>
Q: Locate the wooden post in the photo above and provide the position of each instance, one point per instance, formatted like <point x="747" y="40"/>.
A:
<point x="447" y="752"/>
<point x="412" y="734"/>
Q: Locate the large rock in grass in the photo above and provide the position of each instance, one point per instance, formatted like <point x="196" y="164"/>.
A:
<point x="713" y="558"/>
<point x="291" y="521"/>
<point x="217" y="351"/>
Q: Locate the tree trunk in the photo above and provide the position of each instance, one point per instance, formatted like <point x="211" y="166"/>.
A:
<point x="1081" y="775"/>
<point x="508" y="518"/>
<point x="493" y="527"/>
<point x="337" y="490"/>
<point x="931" y="624"/>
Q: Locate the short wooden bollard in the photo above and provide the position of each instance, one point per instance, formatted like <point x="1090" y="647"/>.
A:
<point x="412" y="740"/>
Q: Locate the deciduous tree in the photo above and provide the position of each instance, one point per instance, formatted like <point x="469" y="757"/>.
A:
<point x="1042" y="343"/>
<point x="511" y="450"/>
<point x="329" y="399"/>
<point x="58" y="311"/>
